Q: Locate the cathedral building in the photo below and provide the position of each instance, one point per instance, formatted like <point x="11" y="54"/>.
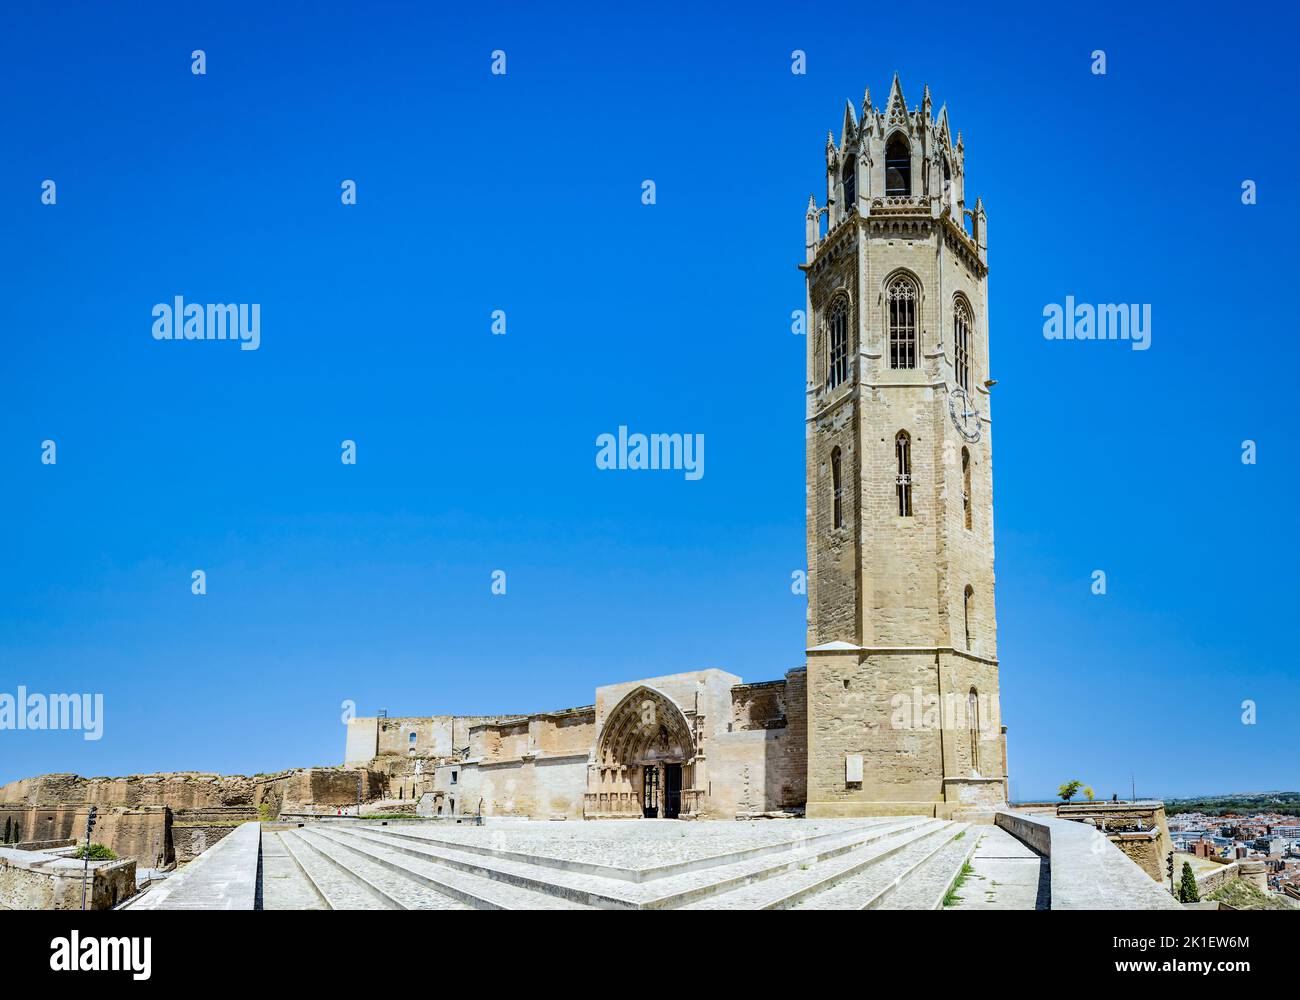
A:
<point x="896" y="710"/>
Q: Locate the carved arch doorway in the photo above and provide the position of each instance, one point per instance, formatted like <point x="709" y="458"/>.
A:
<point x="645" y="758"/>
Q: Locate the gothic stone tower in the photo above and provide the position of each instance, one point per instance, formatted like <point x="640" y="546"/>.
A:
<point x="903" y="708"/>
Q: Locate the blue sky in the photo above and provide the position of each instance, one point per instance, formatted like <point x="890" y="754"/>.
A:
<point x="479" y="192"/>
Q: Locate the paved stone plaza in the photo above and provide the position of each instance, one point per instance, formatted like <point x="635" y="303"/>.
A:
<point x="902" y="862"/>
<point x="898" y="862"/>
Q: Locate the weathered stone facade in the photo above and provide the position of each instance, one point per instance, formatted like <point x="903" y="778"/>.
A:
<point x="698" y="744"/>
<point x="902" y="664"/>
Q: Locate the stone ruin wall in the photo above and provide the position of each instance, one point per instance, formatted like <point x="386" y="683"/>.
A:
<point x="156" y="819"/>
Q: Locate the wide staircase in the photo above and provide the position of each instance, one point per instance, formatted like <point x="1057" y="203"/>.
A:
<point x="905" y="863"/>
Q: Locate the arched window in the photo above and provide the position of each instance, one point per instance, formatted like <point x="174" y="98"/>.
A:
<point x="965" y="487"/>
<point x="837" y="487"/>
<point x="898" y="165"/>
<point x="973" y="720"/>
<point x="903" y="304"/>
<point x="838" y="370"/>
<point x="903" y="452"/>
<point x="968" y="602"/>
<point x="961" y="335"/>
<point x="849" y="178"/>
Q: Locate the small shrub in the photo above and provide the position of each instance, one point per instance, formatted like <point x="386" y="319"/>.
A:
<point x="97" y="852"/>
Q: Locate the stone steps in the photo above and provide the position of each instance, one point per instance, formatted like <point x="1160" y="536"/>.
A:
<point x="284" y="885"/>
<point x="435" y="838"/>
<point x="471" y="890"/>
<point x="340" y="888"/>
<point x="927" y="886"/>
<point x="906" y="880"/>
<point x="428" y="858"/>
<point x="405" y="892"/>
<point x="803" y="880"/>
<point x="904" y="862"/>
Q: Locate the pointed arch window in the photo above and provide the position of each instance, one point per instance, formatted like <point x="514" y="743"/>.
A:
<point x="903" y="301"/>
<point x="968" y="607"/>
<point x="838" y="369"/>
<point x="962" y="323"/>
<point x="973" y="720"/>
<point x="849" y="179"/>
<point x="837" y="487"/>
<point x="965" y="488"/>
<point x="898" y="165"/>
<point x="903" y="455"/>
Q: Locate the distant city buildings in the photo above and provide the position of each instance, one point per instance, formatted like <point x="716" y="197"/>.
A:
<point x="1271" y="838"/>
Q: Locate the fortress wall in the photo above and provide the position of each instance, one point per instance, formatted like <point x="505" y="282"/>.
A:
<point x="794" y="780"/>
<point x="323" y="789"/>
<point x="142" y="834"/>
<point x="435" y="735"/>
<point x="758" y="706"/>
<point x="138" y="833"/>
<point x="538" y="788"/>
<point x="760" y="764"/>
<point x="573" y="731"/>
<point x="362" y="741"/>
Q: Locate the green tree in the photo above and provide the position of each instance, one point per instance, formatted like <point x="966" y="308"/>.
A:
<point x="1187" y="892"/>
<point x="1067" y="790"/>
<point x="9" y="827"/>
<point x="1089" y="794"/>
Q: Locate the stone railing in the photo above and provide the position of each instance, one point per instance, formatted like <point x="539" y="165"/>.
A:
<point x="1255" y="872"/>
<point x="224" y="877"/>
<point x="1088" y="872"/>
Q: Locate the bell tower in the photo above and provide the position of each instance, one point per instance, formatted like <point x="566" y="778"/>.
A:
<point x="903" y="709"/>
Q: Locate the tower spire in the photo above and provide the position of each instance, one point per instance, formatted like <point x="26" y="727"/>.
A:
<point x="896" y="113"/>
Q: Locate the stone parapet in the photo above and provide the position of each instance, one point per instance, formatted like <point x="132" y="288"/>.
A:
<point x="1088" y="872"/>
<point x="222" y="878"/>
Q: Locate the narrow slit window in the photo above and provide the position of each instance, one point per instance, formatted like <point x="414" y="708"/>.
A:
<point x="837" y="487"/>
<point x="973" y="720"/>
<point x="903" y="300"/>
<point x="850" y="181"/>
<point x="965" y="487"/>
<point x="968" y="604"/>
<point x="903" y="453"/>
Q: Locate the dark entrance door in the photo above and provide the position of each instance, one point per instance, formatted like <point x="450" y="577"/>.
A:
<point x="650" y="792"/>
<point x="672" y="790"/>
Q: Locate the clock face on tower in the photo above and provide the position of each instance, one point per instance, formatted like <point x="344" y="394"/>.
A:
<point x="963" y="413"/>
